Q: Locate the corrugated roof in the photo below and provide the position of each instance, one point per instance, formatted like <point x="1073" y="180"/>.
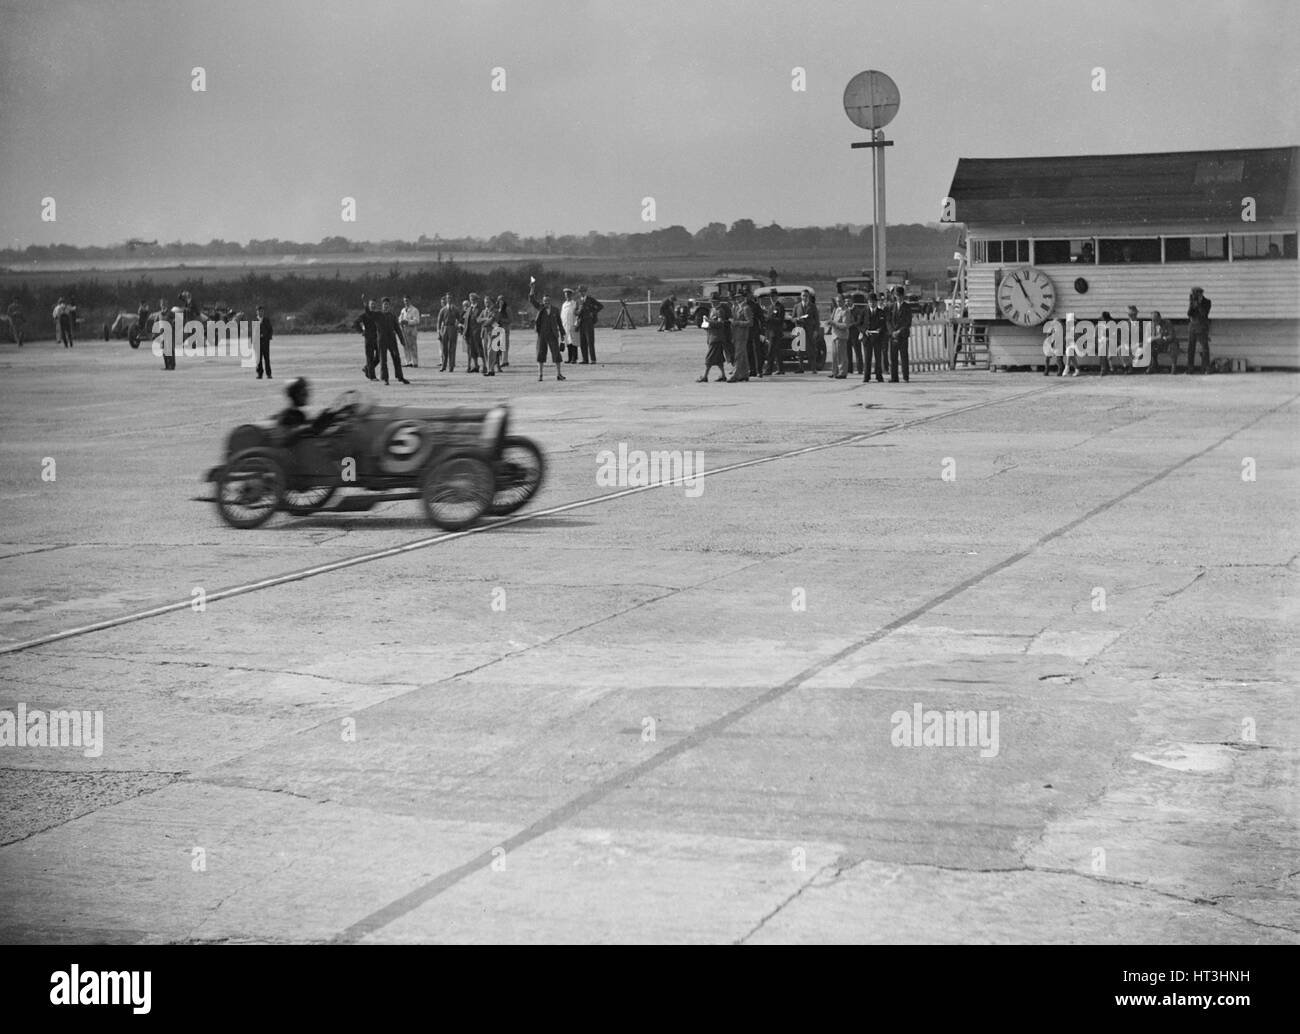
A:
<point x="1128" y="189"/>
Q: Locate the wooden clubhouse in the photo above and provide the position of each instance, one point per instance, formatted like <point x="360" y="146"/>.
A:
<point x="1103" y="232"/>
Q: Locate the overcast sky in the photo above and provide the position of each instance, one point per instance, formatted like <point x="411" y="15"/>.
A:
<point x="686" y="101"/>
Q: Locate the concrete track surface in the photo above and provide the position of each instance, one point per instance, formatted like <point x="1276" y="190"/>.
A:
<point x="675" y="714"/>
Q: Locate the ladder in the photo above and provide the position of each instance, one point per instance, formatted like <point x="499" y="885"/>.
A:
<point x="970" y="345"/>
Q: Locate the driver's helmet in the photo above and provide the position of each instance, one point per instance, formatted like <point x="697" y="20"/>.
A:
<point x="299" y="391"/>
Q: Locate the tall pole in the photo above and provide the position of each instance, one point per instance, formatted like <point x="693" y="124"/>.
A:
<point x="875" y="215"/>
<point x="879" y="154"/>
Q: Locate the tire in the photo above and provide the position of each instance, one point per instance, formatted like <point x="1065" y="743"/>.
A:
<point x="520" y="470"/>
<point x="133" y="336"/>
<point x="250" y="488"/>
<point x="303" y="502"/>
<point x="457" y="490"/>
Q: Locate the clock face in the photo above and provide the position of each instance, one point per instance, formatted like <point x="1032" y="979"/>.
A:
<point x="1026" y="296"/>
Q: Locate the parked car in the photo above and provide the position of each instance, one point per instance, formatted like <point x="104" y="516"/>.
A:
<point x="728" y="286"/>
<point x="854" y="284"/>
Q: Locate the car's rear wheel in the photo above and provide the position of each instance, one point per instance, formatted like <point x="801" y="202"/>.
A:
<point x="303" y="501"/>
<point x="457" y="490"/>
<point x="520" y="470"/>
<point x="250" y="488"/>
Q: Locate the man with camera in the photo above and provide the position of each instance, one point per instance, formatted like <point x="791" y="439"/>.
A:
<point x="1198" y="329"/>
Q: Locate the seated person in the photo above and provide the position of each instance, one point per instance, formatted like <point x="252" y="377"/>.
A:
<point x="293" y="421"/>
<point x="1163" y="339"/>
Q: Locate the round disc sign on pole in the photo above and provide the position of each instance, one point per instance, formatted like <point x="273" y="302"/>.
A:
<point x="871" y="100"/>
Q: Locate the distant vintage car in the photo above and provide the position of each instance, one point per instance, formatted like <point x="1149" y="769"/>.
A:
<point x="126" y="326"/>
<point x="120" y="328"/>
<point x="728" y="286"/>
<point x="461" y="463"/>
<point x="794" y="339"/>
<point x="850" y="285"/>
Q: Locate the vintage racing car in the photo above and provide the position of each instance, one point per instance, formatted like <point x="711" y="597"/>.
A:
<point x="461" y="463"/>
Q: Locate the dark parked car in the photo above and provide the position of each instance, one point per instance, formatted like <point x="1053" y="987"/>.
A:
<point x="728" y="286"/>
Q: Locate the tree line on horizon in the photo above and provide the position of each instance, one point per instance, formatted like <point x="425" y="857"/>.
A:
<point x="742" y="235"/>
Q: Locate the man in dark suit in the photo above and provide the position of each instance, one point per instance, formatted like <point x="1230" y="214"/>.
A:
<point x="774" y="327"/>
<point x="1198" y="329"/>
<point x="588" y="310"/>
<point x="807" y="317"/>
<point x="873" y="339"/>
<point x="898" y="322"/>
<point x="264" y="333"/>
<point x="367" y="324"/>
<point x="549" y="331"/>
<point x="389" y="334"/>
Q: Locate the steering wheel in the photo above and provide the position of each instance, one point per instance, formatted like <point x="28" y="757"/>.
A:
<point x="345" y="408"/>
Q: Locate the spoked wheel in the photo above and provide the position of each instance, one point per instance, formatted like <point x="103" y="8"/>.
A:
<point x="313" y="477"/>
<point x="457" y="491"/>
<point x="519" y="473"/>
<point x="250" y="489"/>
<point x="303" y="501"/>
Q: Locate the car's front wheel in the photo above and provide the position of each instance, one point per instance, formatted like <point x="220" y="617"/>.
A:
<point x="519" y="473"/>
<point x="250" y="488"/>
<point x="457" y="490"/>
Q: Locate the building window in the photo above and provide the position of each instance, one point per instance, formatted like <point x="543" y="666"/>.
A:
<point x="1128" y="249"/>
<point x="1008" y="252"/>
<point x="1063" y="252"/>
<point x="1246" y="246"/>
<point x="1196" y="249"/>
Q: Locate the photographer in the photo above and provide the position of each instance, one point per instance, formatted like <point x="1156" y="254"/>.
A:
<point x="1198" y="329"/>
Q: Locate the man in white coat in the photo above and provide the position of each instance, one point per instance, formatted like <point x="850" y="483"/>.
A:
<point x="409" y="320"/>
<point x="569" y="323"/>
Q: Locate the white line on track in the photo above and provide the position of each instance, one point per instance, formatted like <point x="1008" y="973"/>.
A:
<point x="532" y="515"/>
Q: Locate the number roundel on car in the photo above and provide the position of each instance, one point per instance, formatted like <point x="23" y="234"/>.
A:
<point x="404" y="447"/>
